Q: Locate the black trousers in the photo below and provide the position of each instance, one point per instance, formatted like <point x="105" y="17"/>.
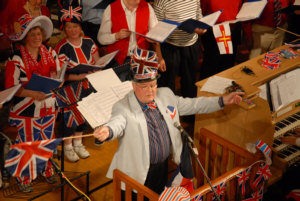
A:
<point x="156" y="180"/>
<point x="180" y="61"/>
<point x="213" y="61"/>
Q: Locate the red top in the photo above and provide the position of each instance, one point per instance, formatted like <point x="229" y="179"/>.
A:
<point x="230" y="8"/>
<point x="119" y="22"/>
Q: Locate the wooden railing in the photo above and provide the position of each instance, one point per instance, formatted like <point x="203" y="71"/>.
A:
<point x="221" y="159"/>
<point x="218" y="155"/>
<point x="130" y="185"/>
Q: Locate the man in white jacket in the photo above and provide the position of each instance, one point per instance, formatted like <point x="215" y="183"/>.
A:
<point x="143" y="121"/>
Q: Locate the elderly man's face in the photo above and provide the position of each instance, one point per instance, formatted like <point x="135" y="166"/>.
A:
<point x="145" y="91"/>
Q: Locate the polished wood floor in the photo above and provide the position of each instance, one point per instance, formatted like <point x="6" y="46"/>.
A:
<point x="97" y="164"/>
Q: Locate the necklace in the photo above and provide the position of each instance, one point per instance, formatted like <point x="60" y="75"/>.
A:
<point x="32" y="13"/>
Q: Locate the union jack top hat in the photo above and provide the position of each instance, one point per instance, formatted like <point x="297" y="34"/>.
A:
<point x="174" y="194"/>
<point x="70" y="11"/>
<point x="28" y="22"/>
<point x="144" y="65"/>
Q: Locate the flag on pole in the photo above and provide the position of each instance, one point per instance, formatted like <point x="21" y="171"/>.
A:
<point x="223" y="37"/>
<point x="28" y="159"/>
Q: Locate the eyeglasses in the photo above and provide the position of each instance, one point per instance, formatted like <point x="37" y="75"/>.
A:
<point x="145" y="86"/>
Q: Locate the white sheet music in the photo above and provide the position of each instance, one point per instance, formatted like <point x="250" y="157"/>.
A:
<point x="159" y="32"/>
<point x="251" y="10"/>
<point x="7" y="94"/>
<point x="211" y="18"/>
<point x="285" y="89"/>
<point x="263" y="92"/>
<point x="96" y="108"/>
<point x="216" y="85"/>
<point x="103" y="61"/>
<point x="122" y="89"/>
<point x="103" y="79"/>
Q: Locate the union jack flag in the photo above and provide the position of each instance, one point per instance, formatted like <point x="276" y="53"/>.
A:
<point x="172" y="111"/>
<point x="28" y="159"/>
<point x="242" y="178"/>
<point x="263" y="174"/>
<point x="289" y="53"/>
<point x="294" y="45"/>
<point x="198" y="197"/>
<point x="144" y="64"/>
<point x="271" y="60"/>
<point x="256" y="196"/>
<point x="220" y="190"/>
<point x="264" y="148"/>
<point x="34" y="129"/>
<point x="67" y="98"/>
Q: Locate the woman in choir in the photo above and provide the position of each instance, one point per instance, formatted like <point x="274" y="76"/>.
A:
<point x="32" y="112"/>
<point x="76" y="49"/>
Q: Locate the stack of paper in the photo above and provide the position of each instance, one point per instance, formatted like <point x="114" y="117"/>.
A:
<point x="97" y="107"/>
<point x="216" y="85"/>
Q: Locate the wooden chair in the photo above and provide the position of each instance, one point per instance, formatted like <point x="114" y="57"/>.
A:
<point x="130" y="185"/>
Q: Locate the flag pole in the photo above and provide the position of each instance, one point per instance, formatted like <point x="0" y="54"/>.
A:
<point x="288" y="31"/>
<point x="81" y="136"/>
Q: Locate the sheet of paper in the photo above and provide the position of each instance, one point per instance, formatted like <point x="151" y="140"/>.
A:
<point x="263" y="92"/>
<point x="96" y="108"/>
<point x="103" y="79"/>
<point x="159" y="32"/>
<point x="7" y="94"/>
<point x="251" y="10"/>
<point x="122" y="89"/>
<point x="103" y="61"/>
<point x="216" y="85"/>
<point x="211" y="18"/>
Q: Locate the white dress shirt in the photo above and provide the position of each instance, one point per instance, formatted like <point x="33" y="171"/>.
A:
<point x="106" y="37"/>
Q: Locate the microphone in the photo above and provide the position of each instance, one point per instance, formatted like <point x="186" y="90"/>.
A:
<point x="183" y="132"/>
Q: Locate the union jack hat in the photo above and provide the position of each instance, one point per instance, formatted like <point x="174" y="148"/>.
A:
<point x="70" y="11"/>
<point x="28" y="22"/>
<point x="174" y="193"/>
<point x="144" y="65"/>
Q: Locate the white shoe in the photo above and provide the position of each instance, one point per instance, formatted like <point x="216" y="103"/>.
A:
<point x="71" y="155"/>
<point x="81" y="151"/>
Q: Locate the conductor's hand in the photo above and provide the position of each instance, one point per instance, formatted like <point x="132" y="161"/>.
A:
<point x="101" y="133"/>
<point x="233" y="98"/>
<point x="123" y="33"/>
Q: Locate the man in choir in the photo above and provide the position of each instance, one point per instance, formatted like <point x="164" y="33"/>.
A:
<point x="143" y="121"/>
<point x="118" y="19"/>
<point x="262" y="34"/>
<point x="181" y="50"/>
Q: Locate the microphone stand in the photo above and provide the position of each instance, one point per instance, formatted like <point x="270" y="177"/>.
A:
<point x="190" y="143"/>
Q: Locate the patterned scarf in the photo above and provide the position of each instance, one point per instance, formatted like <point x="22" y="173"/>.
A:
<point x="33" y="66"/>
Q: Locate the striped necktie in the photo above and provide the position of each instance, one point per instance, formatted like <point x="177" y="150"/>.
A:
<point x="277" y="15"/>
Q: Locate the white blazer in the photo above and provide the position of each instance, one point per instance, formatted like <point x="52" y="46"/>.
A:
<point x="128" y="124"/>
